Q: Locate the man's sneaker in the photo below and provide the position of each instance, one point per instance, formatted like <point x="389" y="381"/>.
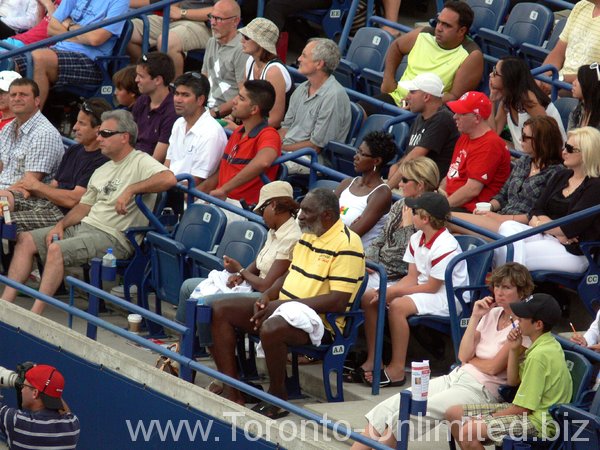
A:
<point x="119" y="291"/>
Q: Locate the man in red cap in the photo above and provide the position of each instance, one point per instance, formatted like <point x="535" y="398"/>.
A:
<point x="44" y="420"/>
<point x="480" y="163"/>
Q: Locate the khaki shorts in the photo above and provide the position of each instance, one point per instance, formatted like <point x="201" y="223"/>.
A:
<point x="192" y="34"/>
<point x="80" y="244"/>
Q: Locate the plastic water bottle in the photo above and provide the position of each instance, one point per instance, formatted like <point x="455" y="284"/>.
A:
<point x="109" y="265"/>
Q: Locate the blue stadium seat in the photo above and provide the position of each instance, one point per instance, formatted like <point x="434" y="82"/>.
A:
<point x="527" y="22"/>
<point x="356" y="120"/>
<point x="565" y="105"/>
<point x="489" y="14"/>
<point x="580" y="428"/>
<point x="332" y="19"/>
<point x="242" y="241"/>
<point x="536" y="54"/>
<point x="371" y="79"/>
<point x="367" y="50"/>
<point x="202" y="226"/>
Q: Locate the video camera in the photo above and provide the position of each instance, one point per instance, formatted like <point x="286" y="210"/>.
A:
<point x="16" y="378"/>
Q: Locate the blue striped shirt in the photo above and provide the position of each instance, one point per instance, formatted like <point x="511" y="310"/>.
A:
<point x="45" y="429"/>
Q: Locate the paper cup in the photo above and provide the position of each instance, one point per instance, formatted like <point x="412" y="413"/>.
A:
<point x="135" y="321"/>
<point x="483" y="206"/>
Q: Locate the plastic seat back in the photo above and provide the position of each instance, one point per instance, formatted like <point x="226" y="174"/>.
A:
<point x="581" y="373"/>
<point x="242" y="241"/>
<point x="202" y="226"/>
<point x="488" y="14"/>
<point x="565" y="105"/>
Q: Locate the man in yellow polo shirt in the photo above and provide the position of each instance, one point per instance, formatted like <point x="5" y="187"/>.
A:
<point x="326" y="271"/>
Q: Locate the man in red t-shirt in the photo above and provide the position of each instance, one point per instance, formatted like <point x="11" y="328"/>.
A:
<point x="481" y="161"/>
<point x="252" y="147"/>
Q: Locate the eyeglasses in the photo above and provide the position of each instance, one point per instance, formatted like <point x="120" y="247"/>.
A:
<point x="570" y="149"/>
<point x="265" y="205"/>
<point x="593" y="66"/>
<point x="495" y="73"/>
<point x="363" y="155"/>
<point x="524" y="137"/>
<point x="218" y="19"/>
<point x="27" y="386"/>
<point x="109" y="133"/>
<point x="406" y="180"/>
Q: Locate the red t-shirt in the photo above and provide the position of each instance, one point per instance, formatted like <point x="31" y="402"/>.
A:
<point x="240" y="151"/>
<point x="37" y="32"/>
<point x="4" y="122"/>
<point x="485" y="159"/>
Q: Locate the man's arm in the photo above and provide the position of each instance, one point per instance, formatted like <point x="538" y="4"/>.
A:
<point x="94" y="38"/>
<point x="261" y="162"/>
<point x="65" y="198"/>
<point x="196" y="14"/>
<point x="556" y="57"/>
<point x="399" y="48"/>
<point x="159" y="182"/>
<point x="160" y="152"/>
<point x="33" y="175"/>
<point x="300" y="145"/>
<point x="73" y="217"/>
<point x="466" y="193"/>
<point x="467" y="76"/>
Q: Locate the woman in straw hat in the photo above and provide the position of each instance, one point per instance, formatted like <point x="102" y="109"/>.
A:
<point x="259" y="39"/>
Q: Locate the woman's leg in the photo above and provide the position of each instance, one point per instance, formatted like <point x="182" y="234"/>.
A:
<point x="400" y="309"/>
<point x="370" y="311"/>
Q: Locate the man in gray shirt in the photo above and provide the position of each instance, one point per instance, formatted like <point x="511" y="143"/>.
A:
<point x="319" y="109"/>
<point x="224" y="61"/>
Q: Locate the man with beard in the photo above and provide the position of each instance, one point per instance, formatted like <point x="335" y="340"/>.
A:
<point x="324" y="276"/>
<point x="197" y="140"/>
<point x="252" y="147"/>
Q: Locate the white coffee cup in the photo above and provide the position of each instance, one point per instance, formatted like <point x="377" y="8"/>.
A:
<point x="135" y="321"/>
<point x="483" y="206"/>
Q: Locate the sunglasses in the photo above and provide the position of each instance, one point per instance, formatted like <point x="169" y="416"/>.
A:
<point x="406" y="180"/>
<point x="593" y="66"/>
<point x="108" y="133"/>
<point x="261" y="210"/>
<point x="196" y="75"/>
<point x="218" y="19"/>
<point x="570" y="149"/>
<point x="524" y="137"/>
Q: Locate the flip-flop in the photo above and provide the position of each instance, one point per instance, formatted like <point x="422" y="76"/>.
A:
<point x="386" y="381"/>
<point x="271" y="411"/>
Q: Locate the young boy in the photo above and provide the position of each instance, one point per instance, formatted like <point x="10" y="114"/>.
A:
<point x="422" y="290"/>
<point x="543" y="376"/>
<point x="126" y="89"/>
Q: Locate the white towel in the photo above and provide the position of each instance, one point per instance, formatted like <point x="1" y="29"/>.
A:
<point x="299" y="316"/>
<point x="216" y="283"/>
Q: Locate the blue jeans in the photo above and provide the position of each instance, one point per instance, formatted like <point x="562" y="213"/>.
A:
<point x="188" y="286"/>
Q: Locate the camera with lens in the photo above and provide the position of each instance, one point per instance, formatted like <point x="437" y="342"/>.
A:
<point x="15" y="378"/>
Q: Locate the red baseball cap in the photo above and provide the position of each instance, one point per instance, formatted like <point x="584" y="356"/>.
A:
<point x="472" y="102"/>
<point x="49" y="382"/>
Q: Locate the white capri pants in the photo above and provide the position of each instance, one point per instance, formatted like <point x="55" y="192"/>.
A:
<point x="539" y="252"/>
<point x="456" y="388"/>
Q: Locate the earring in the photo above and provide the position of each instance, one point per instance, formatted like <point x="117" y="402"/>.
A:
<point x="375" y="168"/>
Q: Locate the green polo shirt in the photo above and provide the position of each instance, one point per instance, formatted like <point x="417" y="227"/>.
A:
<point x="545" y="381"/>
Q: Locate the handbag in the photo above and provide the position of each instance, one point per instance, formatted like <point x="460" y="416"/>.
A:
<point x="166" y="364"/>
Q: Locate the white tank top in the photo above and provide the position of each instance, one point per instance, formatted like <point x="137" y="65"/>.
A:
<point x="352" y="207"/>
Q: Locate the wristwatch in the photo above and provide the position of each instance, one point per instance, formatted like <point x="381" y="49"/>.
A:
<point x="183" y="12"/>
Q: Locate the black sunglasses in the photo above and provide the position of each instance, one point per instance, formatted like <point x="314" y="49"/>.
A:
<point x="108" y="133"/>
<point x="570" y="149"/>
<point x="264" y="206"/>
<point x="407" y="180"/>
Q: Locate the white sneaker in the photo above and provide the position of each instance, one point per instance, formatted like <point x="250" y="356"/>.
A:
<point x="119" y="291"/>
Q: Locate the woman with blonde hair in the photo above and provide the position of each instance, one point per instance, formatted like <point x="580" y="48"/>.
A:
<point x="418" y="175"/>
<point x="569" y="191"/>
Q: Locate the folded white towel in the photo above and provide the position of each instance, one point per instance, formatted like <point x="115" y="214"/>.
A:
<point x="299" y="316"/>
<point x="216" y="283"/>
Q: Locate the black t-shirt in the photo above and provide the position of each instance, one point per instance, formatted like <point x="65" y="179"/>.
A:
<point x="438" y="134"/>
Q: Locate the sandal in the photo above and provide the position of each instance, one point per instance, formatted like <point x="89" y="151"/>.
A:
<point x="271" y="411"/>
<point x="351" y="375"/>
<point x="216" y="387"/>
<point x="386" y="381"/>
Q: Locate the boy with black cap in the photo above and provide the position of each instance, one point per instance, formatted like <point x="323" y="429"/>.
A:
<point x="543" y="376"/>
<point x="422" y="290"/>
<point x="44" y="420"/>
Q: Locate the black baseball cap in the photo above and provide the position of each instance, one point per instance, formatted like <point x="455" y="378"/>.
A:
<point x="435" y="204"/>
<point x="542" y="307"/>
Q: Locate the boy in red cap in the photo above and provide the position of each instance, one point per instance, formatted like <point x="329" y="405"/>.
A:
<point x="44" y="420"/>
<point x="481" y="162"/>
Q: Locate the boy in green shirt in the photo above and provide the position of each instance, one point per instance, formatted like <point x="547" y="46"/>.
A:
<point x="543" y="376"/>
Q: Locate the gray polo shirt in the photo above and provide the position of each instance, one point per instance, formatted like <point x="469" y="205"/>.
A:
<point x="224" y="65"/>
<point x="321" y="118"/>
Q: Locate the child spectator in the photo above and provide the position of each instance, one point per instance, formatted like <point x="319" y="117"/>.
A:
<point x="591" y="338"/>
<point x="421" y="291"/>
<point x="543" y="376"/>
<point x="126" y="89"/>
